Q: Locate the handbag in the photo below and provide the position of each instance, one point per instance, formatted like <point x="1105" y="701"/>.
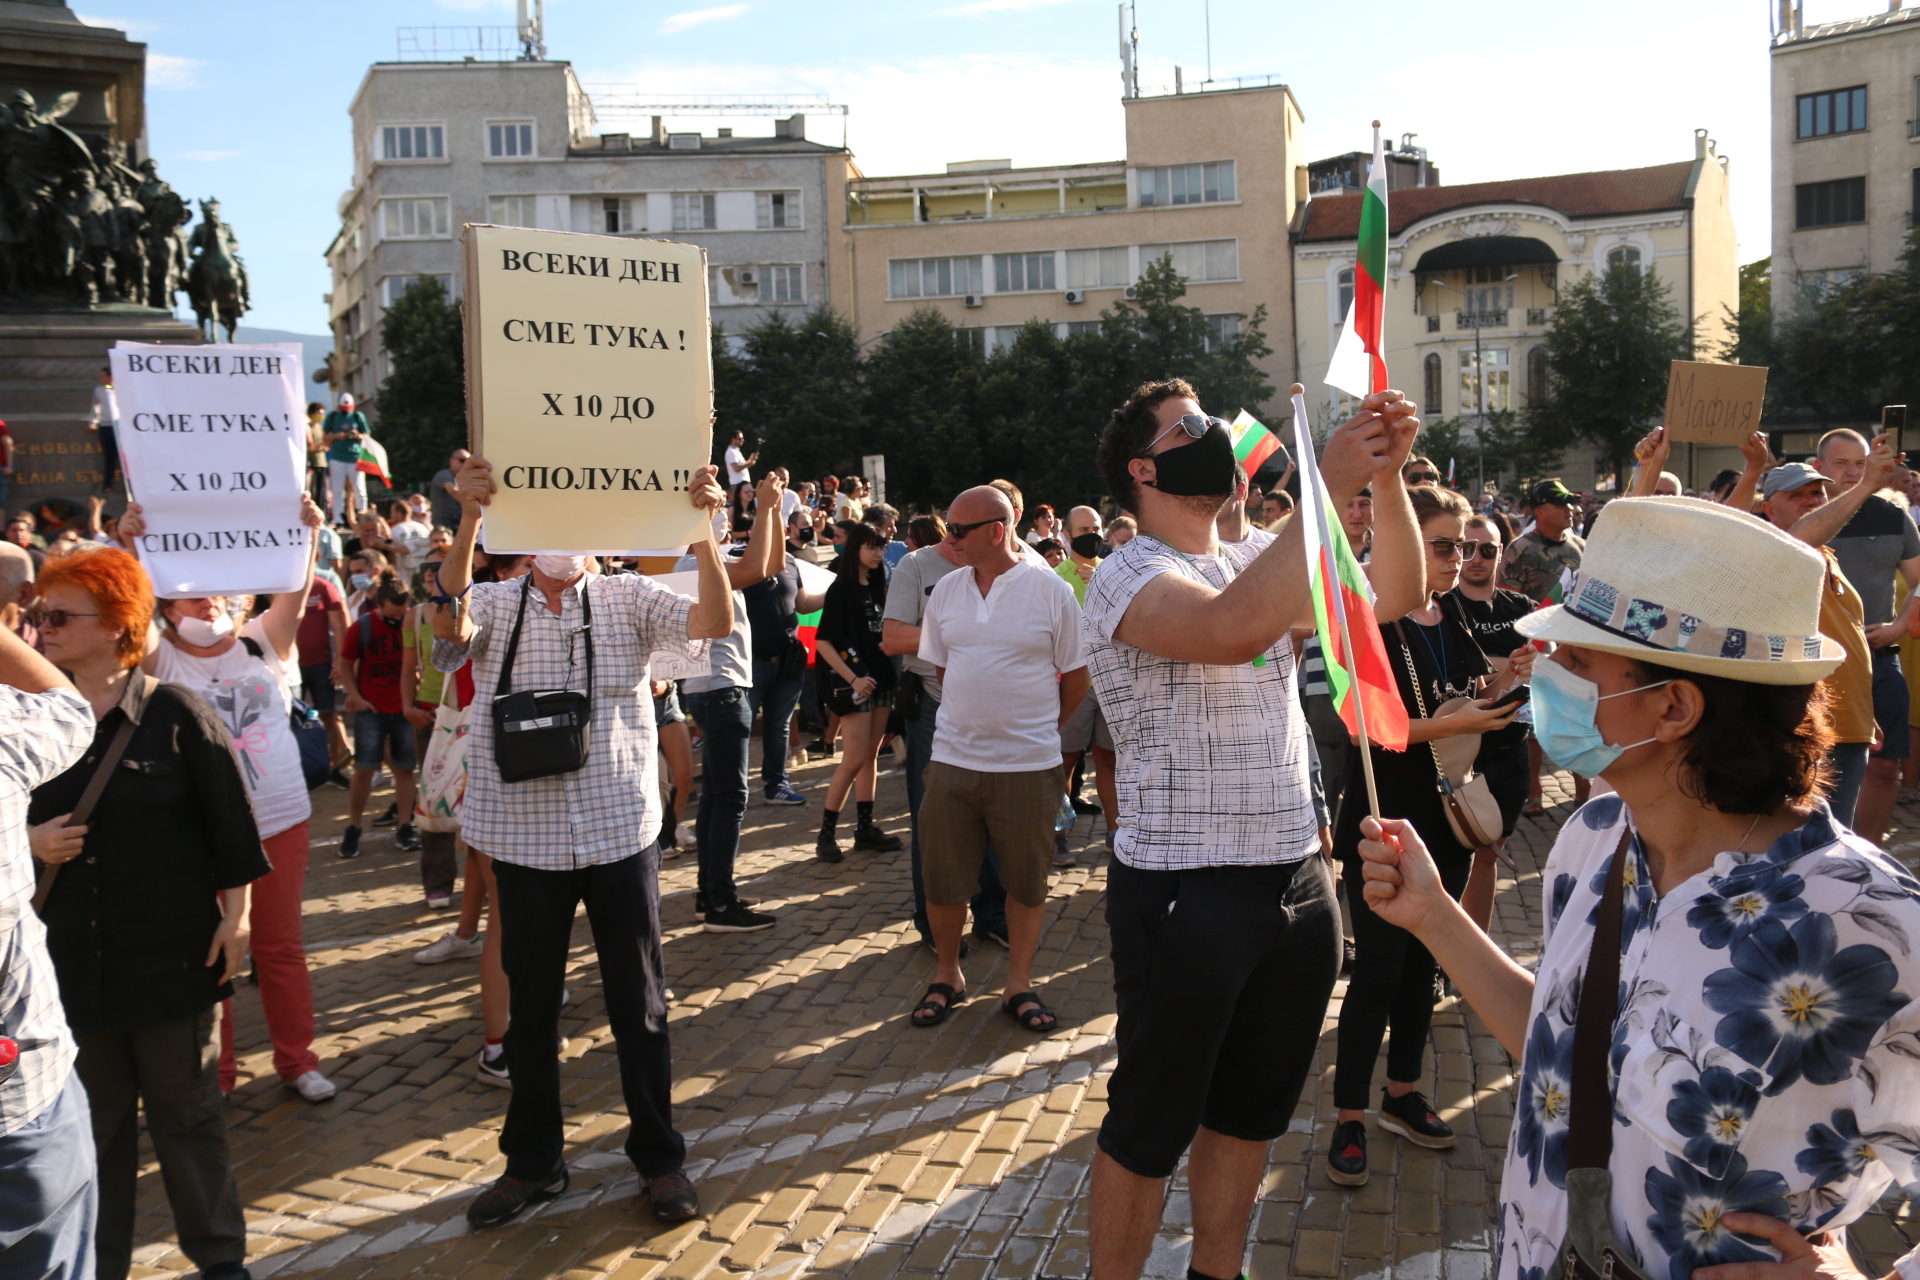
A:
<point x="443" y="774"/>
<point x="309" y="734"/>
<point x="1472" y="812"/>
<point x="1591" y="1251"/>
<point x="793" y="659"/>
<point x="98" y="782"/>
<point x="541" y="733"/>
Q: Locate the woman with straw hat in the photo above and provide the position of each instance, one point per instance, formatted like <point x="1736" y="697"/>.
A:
<point x="1740" y="1078"/>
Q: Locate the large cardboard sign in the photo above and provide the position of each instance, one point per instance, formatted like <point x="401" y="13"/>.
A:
<point x="1714" y="403"/>
<point x="589" y="387"/>
<point x="213" y="443"/>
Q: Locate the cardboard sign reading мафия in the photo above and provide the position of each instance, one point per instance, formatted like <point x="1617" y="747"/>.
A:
<point x="589" y="387"/>
<point x="1714" y="403"/>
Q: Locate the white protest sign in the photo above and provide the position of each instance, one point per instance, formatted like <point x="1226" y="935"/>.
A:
<point x="589" y="387"/>
<point x="814" y="580"/>
<point x="671" y="666"/>
<point x="213" y="443"/>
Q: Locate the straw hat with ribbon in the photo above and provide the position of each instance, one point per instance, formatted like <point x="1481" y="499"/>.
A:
<point x="1699" y="587"/>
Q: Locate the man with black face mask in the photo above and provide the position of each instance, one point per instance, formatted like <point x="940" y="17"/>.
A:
<point x="1085" y="546"/>
<point x="1225" y="941"/>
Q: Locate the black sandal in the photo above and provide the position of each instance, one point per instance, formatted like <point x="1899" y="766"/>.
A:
<point x="1026" y="1010"/>
<point x="939" y="1010"/>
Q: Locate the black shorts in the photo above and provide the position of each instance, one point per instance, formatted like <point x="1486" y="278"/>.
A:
<point x="1221" y="977"/>
<point x="840" y="698"/>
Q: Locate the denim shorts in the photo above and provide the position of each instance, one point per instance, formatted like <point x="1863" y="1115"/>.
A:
<point x="381" y="732"/>
<point x="1891" y="702"/>
<point x="316" y="686"/>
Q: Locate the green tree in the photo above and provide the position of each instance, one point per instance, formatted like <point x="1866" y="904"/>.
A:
<point x="1893" y="307"/>
<point x="1608" y="350"/>
<point x="1157" y="336"/>
<point x="922" y="384"/>
<point x="794" y="388"/>
<point x="1827" y="355"/>
<point x="422" y="404"/>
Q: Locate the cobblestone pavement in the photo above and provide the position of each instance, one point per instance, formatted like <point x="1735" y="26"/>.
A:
<point x="826" y="1135"/>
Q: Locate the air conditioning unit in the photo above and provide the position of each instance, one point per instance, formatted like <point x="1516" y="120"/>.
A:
<point x="747" y="275"/>
<point x="1130" y="293"/>
<point x="975" y="300"/>
<point x="1076" y="295"/>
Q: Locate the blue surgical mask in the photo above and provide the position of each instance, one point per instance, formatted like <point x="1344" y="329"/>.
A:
<point x="360" y="581"/>
<point x="1564" y="706"/>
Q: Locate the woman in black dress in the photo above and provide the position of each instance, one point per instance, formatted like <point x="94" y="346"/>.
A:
<point x="858" y="683"/>
<point x="1392" y="979"/>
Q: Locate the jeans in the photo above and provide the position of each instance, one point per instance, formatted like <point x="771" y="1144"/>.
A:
<point x="774" y="697"/>
<point x="536" y="911"/>
<point x="990" y="904"/>
<point x="109" y="455"/>
<point x="726" y="727"/>
<point x="48" y="1194"/>
<point x="1849" y="761"/>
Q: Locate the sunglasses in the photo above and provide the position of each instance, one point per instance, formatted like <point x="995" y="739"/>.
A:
<point x="1486" y="550"/>
<point x="54" y="619"/>
<point x="959" y="531"/>
<point x="1445" y="547"/>
<point x="1424" y="477"/>
<point x="1194" y="424"/>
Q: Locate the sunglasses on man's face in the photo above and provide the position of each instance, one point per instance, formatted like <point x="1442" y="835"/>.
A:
<point x="1447" y="548"/>
<point x="1423" y="477"/>
<point x="1194" y="424"/>
<point x="958" y="532"/>
<point x="54" y="619"/>
<point x="1485" y="550"/>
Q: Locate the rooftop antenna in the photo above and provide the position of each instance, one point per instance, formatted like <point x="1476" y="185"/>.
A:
<point x="1208" y="12"/>
<point x="1129" y="54"/>
<point x="532" y="29"/>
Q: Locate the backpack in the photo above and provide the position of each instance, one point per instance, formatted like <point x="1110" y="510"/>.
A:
<point x="309" y="734"/>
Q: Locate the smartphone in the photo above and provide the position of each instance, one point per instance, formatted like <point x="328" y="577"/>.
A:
<point x="1516" y="694"/>
<point x="1893" y="420"/>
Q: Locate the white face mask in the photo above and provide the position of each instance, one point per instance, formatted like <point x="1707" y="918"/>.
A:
<point x="560" y="568"/>
<point x="203" y="634"/>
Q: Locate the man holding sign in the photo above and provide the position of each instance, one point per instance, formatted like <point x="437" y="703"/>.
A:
<point x="583" y="834"/>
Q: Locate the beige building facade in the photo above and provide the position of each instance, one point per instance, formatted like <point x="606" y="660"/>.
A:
<point x="1208" y="178"/>
<point x="1474" y="272"/>
<point x="1846" y="147"/>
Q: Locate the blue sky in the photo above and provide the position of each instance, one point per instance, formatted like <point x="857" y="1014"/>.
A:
<point x="248" y="101"/>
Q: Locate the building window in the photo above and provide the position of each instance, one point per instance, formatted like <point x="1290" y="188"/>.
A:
<point x="1344" y="283"/>
<point x="616" y="215"/>
<point x="933" y="277"/>
<point x="1187" y="184"/>
<point x="1488" y="289"/>
<point x="777" y="210"/>
<point x="1830" y="204"/>
<point x="693" y="211"/>
<point x="412" y="142"/>
<point x="1835" y="111"/>
<point x="1818" y="284"/>
<point x="1537" y="376"/>
<point x="971" y="341"/>
<point x="420" y="218"/>
<point x="509" y="139"/>
<point x="1493" y="363"/>
<point x="1097" y="268"/>
<point x="512" y="211"/>
<point x="1197" y="260"/>
<point x="1221" y="330"/>
<point x="1431" y="393"/>
<point x="1624" y="256"/>
<point x="393" y="286"/>
<point x="787" y="283"/>
<point x="1022" y="272"/>
<point x="1082" y="328"/>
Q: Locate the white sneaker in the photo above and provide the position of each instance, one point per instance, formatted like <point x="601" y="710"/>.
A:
<point x="683" y="837"/>
<point x="450" y="947"/>
<point x="314" y="1087"/>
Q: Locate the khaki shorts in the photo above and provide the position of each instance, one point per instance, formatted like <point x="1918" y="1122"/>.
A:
<point x="1084" y="728"/>
<point x="966" y="809"/>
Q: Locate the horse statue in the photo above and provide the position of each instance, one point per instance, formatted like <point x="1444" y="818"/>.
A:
<point x="217" y="279"/>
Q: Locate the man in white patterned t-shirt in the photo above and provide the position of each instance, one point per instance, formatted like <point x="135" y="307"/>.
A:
<point x="1225" y="941"/>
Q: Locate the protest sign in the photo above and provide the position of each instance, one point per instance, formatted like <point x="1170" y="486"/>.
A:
<point x="589" y="387"/>
<point x="662" y="665"/>
<point x="213" y="442"/>
<point x="1714" y="403"/>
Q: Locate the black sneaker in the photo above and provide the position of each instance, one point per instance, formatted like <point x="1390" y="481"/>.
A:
<point x="1347" y="1157"/>
<point x="350" y="843"/>
<point x="874" y="840"/>
<point x="391" y="816"/>
<point x="504" y="1200"/>
<point x="1083" y="807"/>
<point x="340" y="779"/>
<point x="736" y="918"/>
<point x="827" y="849"/>
<point x="407" y="838"/>
<point x="700" y="902"/>
<point x="674" y="1199"/>
<point x="1412" y="1118"/>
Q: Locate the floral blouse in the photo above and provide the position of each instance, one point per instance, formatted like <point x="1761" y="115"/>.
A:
<point x="1766" y="1057"/>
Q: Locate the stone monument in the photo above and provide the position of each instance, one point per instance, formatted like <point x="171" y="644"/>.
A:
<point x="94" y="245"/>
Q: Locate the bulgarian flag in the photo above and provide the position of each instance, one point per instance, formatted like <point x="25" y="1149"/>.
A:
<point x="1358" y="675"/>
<point x="1359" y="365"/>
<point x="1253" y="444"/>
<point x="373" y="459"/>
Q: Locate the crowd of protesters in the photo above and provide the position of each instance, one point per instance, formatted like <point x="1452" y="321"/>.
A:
<point x="1726" y="677"/>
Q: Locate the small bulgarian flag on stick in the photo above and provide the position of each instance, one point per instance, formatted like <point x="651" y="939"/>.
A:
<point x="1359" y="365"/>
<point x="1253" y="444"/>
<point x="1358" y="675"/>
<point x="373" y="459"/>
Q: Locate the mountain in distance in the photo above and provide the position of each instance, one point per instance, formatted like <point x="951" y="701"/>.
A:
<point x="315" y="348"/>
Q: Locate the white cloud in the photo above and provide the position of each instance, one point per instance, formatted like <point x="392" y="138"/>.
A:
<point x="165" y="71"/>
<point x="998" y="6"/>
<point x="678" y="22"/>
<point x="206" y="157"/>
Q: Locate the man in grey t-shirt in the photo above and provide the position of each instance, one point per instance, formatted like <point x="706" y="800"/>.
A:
<point x="441" y="498"/>
<point x="912" y="582"/>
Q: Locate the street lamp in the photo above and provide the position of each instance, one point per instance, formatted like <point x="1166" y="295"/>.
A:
<point x="1479" y="377"/>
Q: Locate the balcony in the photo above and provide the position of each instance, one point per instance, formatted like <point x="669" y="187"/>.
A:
<point x="1480" y="319"/>
<point x="1536" y="316"/>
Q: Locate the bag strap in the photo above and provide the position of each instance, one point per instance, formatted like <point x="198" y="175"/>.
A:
<point x="505" y="685"/>
<point x="586" y="631"/>
<point x="1441" y="781"/>
<point x="102" y="774"/>
<point x="1590" y="1122"/>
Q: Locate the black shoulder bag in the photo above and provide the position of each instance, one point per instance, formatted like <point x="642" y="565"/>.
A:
<point x="1591" y="1251"/>
<point x="538" y="733"/>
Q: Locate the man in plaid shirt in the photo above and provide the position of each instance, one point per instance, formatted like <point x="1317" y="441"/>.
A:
<point x="47" y="1189"/>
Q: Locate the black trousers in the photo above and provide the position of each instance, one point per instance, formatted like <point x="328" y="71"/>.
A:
<point x="536" y="924"/>
<point x="1391" y="986"/>
<point x="173" y="1069"/>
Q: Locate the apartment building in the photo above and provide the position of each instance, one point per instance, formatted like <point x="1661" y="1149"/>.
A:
<point x="1846" y="146"/>
<point x="1474" y="271"/>
<point x="438" y="144"/>
<point x="1208" y="178"/>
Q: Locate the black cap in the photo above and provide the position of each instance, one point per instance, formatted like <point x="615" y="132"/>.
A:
<point x="1551" y="493"/>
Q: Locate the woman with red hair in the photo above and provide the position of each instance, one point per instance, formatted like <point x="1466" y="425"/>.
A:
<point x="146" y="908"/>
